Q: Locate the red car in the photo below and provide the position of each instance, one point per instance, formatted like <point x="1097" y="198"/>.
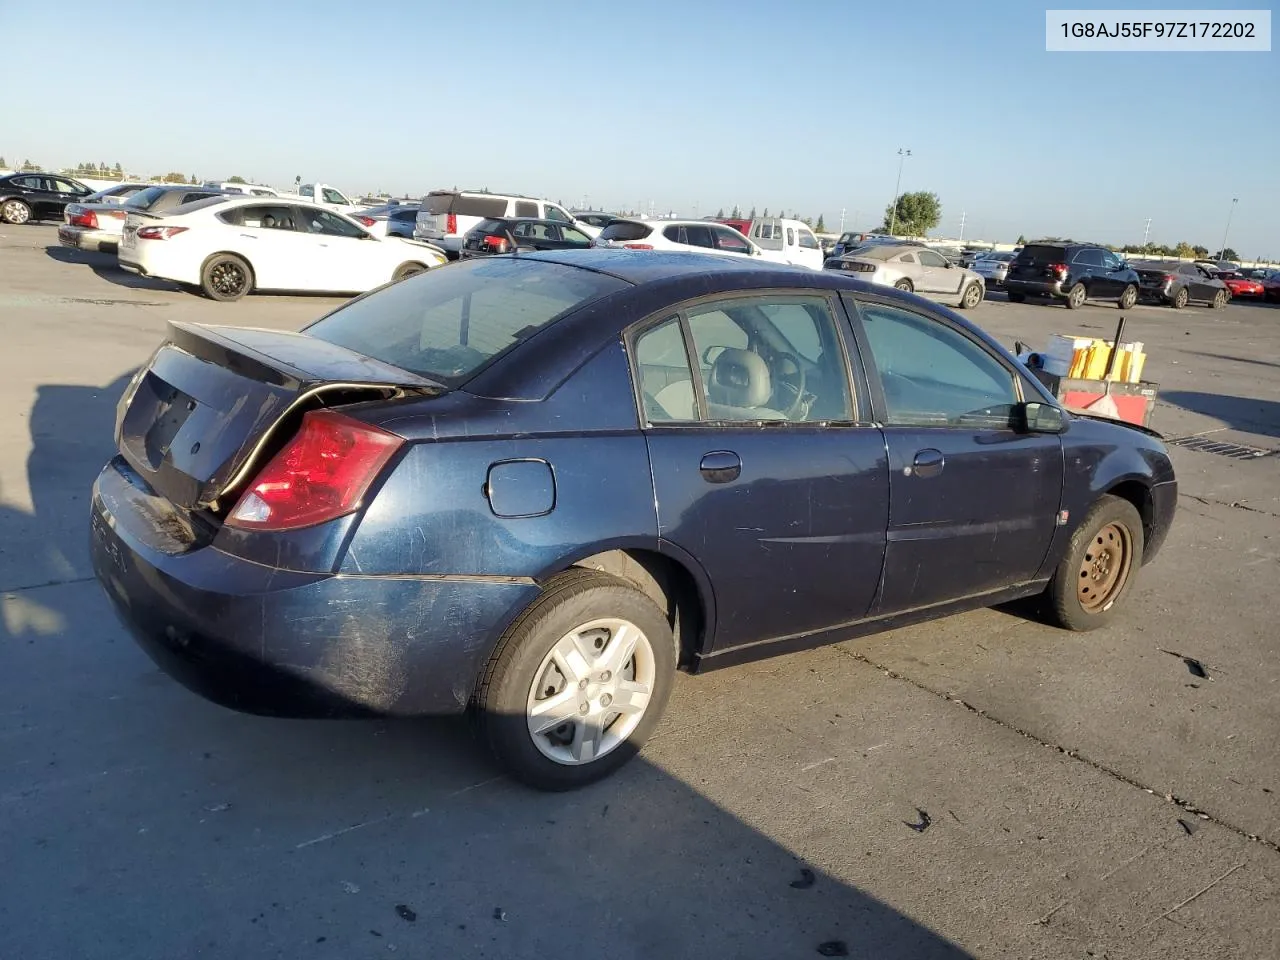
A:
<point x="1242" y="286"/>
<point x="742" y="226"/>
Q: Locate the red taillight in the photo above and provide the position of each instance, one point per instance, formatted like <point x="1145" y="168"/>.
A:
<point x="638" y="246"/>
<point x="160" y="233"/>
<point x="451" y="223"/>
<point x="85" y="218"/>
<point x="1058" y="269"/>
<point x="496" y="244"/>
<point x="367" y="221"/>
<point x="320" y="475"/>
<point x="1168" y="278"/>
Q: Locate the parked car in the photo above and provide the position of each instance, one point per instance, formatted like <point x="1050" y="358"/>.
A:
<point x="1243" y="283"/>
<point x="852" y="240"/>
<point x="787" y="241"/>
<point x="326" y="196"/>
<point x="447" y="216"/>
<point x="913" y="269"/>
<point x="992" y="267"/>
<point x="231" y="246"/>
<point x="1271" y="287"/>
<point x="399" y="510"/>
<point x="240" y="187"/>
<point x="1218" y="266"/>
<point x="1072" y="272"/>
<point x="99" y="226"/>
<point x="688" y="236"/>
<point x="954" y="254"/>
<point x="37" y="196"/>
<point x="970" y="255"/>
<point x="591" y="218"/>
<point x="390" y="219"/>
<point x="743" y="226"/>
<point x="512" y="235"/>
<point x="117" y="194"/>
<point x="1177" y="284"/>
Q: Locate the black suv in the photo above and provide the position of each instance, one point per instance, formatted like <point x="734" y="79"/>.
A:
<point x="1074" y="272"/>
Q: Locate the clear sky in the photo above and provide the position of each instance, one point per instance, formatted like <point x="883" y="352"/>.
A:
<point x="694" y="105"/>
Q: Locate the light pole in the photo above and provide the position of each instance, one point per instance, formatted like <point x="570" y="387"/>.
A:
<point x="1146" y="233"/>
<point x="1222" y="251"/>
<point x="893" y="217"/>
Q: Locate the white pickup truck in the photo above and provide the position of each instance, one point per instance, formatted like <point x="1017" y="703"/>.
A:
<point x="787" y="241"/>
<point x="328" y="196"/>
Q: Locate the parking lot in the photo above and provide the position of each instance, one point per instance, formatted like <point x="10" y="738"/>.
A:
<point x="981" y="786"/>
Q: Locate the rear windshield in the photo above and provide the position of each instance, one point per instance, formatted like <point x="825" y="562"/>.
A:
<point x="625" y="230"/>
<point x="877" y="251"/>
<point x="456" y="203"/>
<point x="144" y="199"/>
<point x="1042" y="253"/>
<point x="450" y="321"/>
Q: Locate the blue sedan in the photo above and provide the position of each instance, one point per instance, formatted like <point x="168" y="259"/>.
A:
<point x="533" y="487"/>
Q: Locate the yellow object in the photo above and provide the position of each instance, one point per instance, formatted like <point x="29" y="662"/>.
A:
<point x="1089" y="359"/>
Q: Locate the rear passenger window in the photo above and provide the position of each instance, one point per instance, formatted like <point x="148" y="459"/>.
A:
<point x="666" y="379"/>
<point x="1089" y="258"/>
<point x="555" y="213"/>
<point x="526" y="208"/>
<point x="699" y="236"/>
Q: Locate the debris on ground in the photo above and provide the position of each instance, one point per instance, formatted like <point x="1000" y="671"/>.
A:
<point x="1194" y="666"/>
<point x="350" y="887"/>
<point x="499" y="914"/>
<point x="807" y="879"/>
<point x="834" y="948"/>
<point x="405" y="913"/>
<point x="923" y="825"/>
<point x="1189" y="826"/>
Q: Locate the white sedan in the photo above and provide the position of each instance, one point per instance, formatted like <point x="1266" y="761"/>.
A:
<point x="230" y="246"/>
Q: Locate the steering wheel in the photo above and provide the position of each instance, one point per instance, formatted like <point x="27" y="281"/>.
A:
<point x="792" y="379"/>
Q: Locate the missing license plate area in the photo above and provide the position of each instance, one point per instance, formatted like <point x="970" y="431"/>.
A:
<point x="1233" y="451"/>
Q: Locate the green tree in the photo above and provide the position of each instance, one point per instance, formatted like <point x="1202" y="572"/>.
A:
<point x="235" y="179"/>
<point x="766" y="212"/>
<point x="753" y="213"/>
<point x="916" y="214"/>
<point x="1228" y="254"/>
<point x="822" y="225"/>
<point x="2" y="164"/>
<point x="720" y="214"/>
<point x="193" y="180"/>
<point x="737" y="214"/>
<point x="174" y="177"/>
<point x="1021" y="240"/>
<point x="29" y="167"/>
<point x="1184" y="250"/>
<point x="1200" y="251"/>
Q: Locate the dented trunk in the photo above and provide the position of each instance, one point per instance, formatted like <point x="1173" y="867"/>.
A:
<point x="214" y="401"/>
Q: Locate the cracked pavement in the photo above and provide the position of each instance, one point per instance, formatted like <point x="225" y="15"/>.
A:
<point x="1087" y="795"/>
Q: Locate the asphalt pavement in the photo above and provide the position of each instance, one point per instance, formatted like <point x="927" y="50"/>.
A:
<point x="983" y="786"/>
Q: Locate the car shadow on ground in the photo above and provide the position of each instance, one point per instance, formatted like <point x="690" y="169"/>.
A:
<point x="105" y="266"/>
<point x="122" y="791"/>
<point x="1246" y="414"/>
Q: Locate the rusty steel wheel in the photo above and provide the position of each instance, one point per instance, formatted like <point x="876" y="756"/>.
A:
<point x="1104" y="570"/>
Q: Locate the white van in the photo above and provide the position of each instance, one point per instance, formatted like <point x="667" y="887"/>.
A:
<point x="787" y="241"/>
<point x="446" y="216"/>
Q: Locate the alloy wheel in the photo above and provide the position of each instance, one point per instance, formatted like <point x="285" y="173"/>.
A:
<point x="16" y="212"/>
<point x="228" y="278"/>
<point x="1104" y="570"/>
<point x="591" y="691"/>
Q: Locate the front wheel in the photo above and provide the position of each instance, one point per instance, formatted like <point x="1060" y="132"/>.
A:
<point x="15" y="212"/>
<point x="1128" y="298"/>
<point x="1076" y="297"/>
<point x="407" y="270"/>
<point x="972" y="296"/>
<point x="1100" y="566"/>
<point x="226" y="277"/>
<point x="577" y="683"/>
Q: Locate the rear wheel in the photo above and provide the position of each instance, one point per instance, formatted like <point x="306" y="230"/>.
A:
<point x="226" y="277"/>
<point x="1181" y="298"/>
<point x="1017" y="297"/>
<point x="15" y="212"/>
<point x="1076" y="297"/>
<point x="1099" y="568"/>
<point x="905" y="284"/>
<point x="406" y="270"/>
<point x="1220" y="300"/>
<point x="578" y="682"/>
<point x="1128" y="298"/>
<point x="972" y="296"/>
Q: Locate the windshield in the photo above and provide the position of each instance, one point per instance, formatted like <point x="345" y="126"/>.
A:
<point x="450" y="321"/>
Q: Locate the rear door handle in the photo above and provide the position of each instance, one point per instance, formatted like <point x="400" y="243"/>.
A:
<point x="721" y="466"/>
<point x="928" y="463"/>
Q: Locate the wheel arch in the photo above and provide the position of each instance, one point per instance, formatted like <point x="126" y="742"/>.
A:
<point x="1137" y="491"/>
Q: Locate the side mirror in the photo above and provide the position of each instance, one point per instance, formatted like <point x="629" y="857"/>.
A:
<point x="709" y="355"/>
<point x="1036" y="417"/>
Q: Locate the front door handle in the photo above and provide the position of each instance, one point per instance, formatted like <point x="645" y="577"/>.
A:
<point x="721" y="466"/>
<point x="928" y="463"/>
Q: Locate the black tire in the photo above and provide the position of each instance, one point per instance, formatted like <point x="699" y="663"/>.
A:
<point x="905" y="284"/>
<point x="1076" y="297"/>
<point x="1016" y="297"/>
<point x="501" y="702"/>
<point x="1220" y="300"/>
<point x="1180" y="299"/>
<point x="1128" y="298"/>
<point x="15" y="212"/>
<point x="1112" y="524"/>
<point x="972" y="296"/>
<point x="407" y="270"/>
<point x="226" y="277"/>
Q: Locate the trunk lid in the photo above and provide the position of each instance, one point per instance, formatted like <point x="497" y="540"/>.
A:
<point x="215" y="401"/>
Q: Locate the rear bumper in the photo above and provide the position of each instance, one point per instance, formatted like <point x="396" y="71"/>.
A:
<point x="1042" y="288"/>
<point x="284" y="643"/>
<point x="82" y="238"/>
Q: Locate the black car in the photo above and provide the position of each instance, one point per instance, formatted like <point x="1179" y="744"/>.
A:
<point x="1073" y="272"/>
<point x="533" y="487"/>
<point x="593" y="219"/>
<point x="1177" y="284"/>
<point x="516" y="234"/>
<point x="38" y="196"/>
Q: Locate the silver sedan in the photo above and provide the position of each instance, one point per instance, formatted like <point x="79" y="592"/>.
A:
<point x="993" y="267"/>
<point x="914" y="268"/>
